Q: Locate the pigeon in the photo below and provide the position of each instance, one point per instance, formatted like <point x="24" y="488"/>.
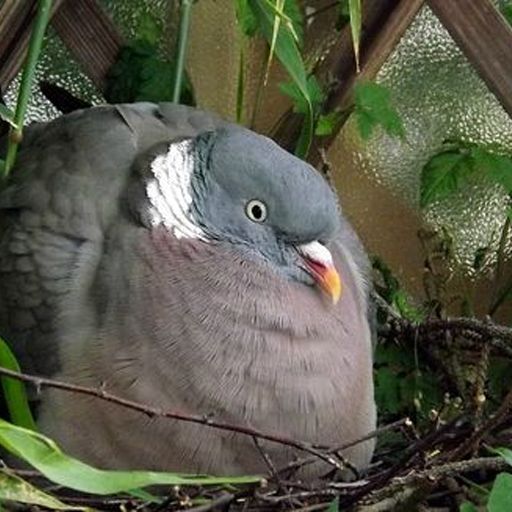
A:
<point x="177" y="260"/>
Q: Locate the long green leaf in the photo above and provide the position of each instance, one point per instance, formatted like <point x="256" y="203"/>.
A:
<point x="14" y="391"/>
<point x="354" y="7"/>
<point x="275" y="32"/>
<point x="15" y="489"/>
<point x="44" y="455"/>
<point x="288" y="53"/>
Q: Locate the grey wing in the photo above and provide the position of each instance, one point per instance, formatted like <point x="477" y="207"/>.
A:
<point x="55" y="213"/>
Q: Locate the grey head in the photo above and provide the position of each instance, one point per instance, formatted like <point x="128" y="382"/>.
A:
<point x="236" y="187"/>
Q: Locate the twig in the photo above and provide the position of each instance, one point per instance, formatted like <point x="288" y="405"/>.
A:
<point x="461" y="324"/>
<point x="297" y="464"/>
<point x="403" y="463"/>
<point x="102" y="394"/>
<point x="268" y="461"/>
<point x="438" y="472"/>
<point x="494" y="421"/>
<point x="223" y="500"/>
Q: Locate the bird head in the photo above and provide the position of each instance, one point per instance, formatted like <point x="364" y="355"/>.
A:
<point x="233" y="186"/>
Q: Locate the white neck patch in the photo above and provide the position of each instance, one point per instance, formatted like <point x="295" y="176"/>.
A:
<point x="169" y="191"/>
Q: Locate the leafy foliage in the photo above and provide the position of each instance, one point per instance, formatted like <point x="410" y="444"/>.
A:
<point x="506" y="9"/>
<point x="403" y="386"/>
<point x="14" y="391"/>
<point x="373" y="108"/>
<point x="456" y="164"/>
<point x="300" y="105"/>
<point x="286" y="44"/>
<point x="389" y="288"/>
<point x="327" y="123"/>
<point x="44" y="455"/>
<point x="141" y="73"/>
<point x="245" y="17"/>
<point x="501" y="494"/>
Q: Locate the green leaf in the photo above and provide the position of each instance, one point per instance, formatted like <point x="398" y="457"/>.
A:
<point x="373" y="108"/>
<point x="140" y="74"/>
<point x="7" y="115"/>
<point x="245" y="18"/>
<point x="343" y="14"/>
<point x="288" y="53"/>
<point x="44" y="455"/>
<point x="387" y="390"/>
<point x="14" y="391"/>
<point x="334" y="506"/>
<point x="506" y="453"/>
<point x="497" y="167"/>
<point x="149" y="28"/>
<point x="300" y="104"/>
<point x="327" y="123"/>
<point x="279" y="5"/>
<point x="456" y="164"/>
<point x="406" y="308"/>
<point x="500" y="498"/>
<point x="443" y="174"/>
<point x="354" y="8"/>
<point x="467" y="507"/>
<point x="13" y="488"/>
<point x="506" y="10"/>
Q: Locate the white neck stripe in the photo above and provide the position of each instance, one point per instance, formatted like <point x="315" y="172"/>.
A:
<point x="169" y="191"/>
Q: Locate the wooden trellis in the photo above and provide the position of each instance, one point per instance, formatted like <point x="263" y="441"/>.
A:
<point x="476" y="25"/>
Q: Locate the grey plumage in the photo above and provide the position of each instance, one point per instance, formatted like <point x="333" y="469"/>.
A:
<point x="119" y="268"/>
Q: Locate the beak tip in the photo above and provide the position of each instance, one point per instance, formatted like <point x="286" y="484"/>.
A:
<point x="331" y="284"/>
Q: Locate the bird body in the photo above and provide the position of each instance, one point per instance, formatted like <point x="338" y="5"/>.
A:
<point x="177" y="261"/>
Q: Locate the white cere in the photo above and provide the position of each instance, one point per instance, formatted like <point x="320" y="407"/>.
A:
<point x="316" y="251"/>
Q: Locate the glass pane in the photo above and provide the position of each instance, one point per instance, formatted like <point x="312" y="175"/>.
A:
<point x="440" y="97"/>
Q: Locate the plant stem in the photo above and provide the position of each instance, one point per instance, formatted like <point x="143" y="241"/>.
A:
<point x="34" y="49"/>
<point x="186" y="6"/>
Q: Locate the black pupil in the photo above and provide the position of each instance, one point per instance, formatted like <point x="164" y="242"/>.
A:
<point x="257" y="211"/>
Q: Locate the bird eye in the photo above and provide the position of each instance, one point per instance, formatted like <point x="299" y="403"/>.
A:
<point x="256" y="210"/>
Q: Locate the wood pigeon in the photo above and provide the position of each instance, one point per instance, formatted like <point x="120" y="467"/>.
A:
<point x="180" y="261"/>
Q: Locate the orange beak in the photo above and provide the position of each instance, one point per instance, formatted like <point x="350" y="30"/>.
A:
<point x="319" y="264"/>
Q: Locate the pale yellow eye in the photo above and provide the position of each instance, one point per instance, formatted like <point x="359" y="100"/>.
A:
<point x="256" y="210"/>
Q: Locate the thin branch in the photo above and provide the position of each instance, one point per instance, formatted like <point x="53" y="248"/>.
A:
<point x="484" y="328"/>
<point x="218" y="503"/>
<point x="297" y="464"/>
<point x="437" y="473"/>
<point x="493" y="422"/>
<point x="102" y="394"/>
